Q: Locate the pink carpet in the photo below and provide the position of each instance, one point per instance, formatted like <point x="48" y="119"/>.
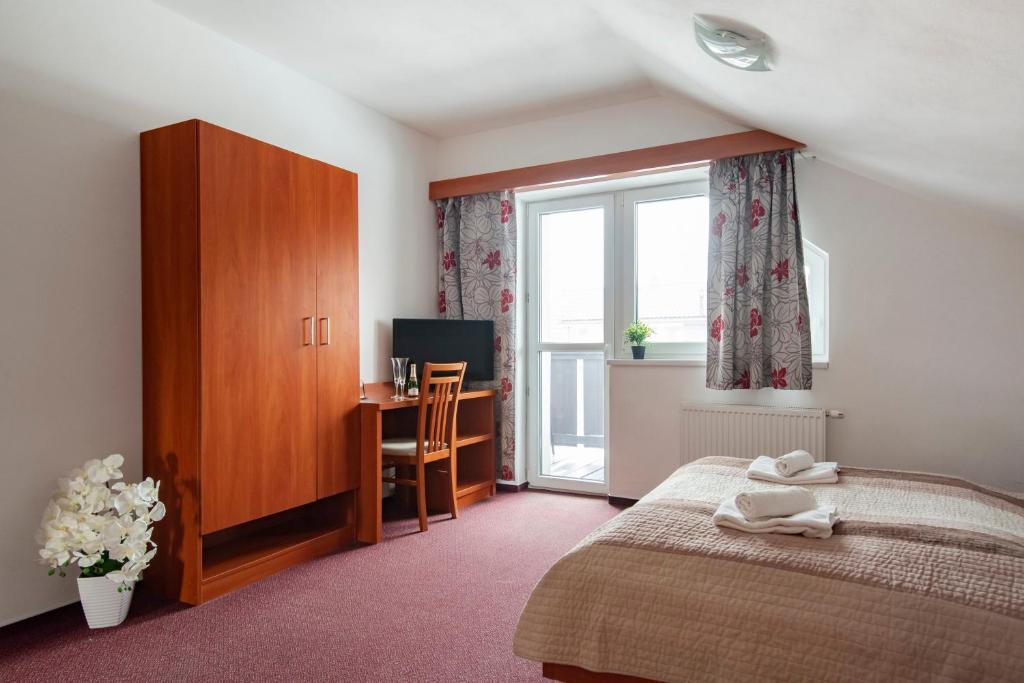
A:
<point x="439" y="606"/>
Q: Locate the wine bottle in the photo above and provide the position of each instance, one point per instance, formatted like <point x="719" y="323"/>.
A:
<point x="412" y="385"/>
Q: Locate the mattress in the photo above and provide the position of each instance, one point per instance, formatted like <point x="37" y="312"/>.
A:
<point x="923" y="579"/>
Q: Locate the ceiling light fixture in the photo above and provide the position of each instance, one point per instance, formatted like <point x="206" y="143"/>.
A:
<point x="746" y="52"/>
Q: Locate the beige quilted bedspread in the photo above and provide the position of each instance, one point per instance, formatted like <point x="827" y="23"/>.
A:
<point x="923" y="580"/>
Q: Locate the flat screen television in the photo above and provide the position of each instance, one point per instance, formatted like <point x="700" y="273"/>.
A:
<point x="446" y="341"/>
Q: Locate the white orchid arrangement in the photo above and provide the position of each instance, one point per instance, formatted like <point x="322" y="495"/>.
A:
<point x="101" y="524"/>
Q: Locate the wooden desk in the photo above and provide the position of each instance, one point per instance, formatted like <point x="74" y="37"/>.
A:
<point x="475" y="457"/>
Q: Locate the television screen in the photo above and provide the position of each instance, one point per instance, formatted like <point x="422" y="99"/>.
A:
<point x="446" y="341"/>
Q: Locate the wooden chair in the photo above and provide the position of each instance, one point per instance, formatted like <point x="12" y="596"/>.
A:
<point x="435" y="436"/>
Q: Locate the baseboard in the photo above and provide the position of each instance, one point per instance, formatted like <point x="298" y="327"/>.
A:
<point x="616" y="501"/>
<point x="512" y="488"/>
<point x="508" y="487"/>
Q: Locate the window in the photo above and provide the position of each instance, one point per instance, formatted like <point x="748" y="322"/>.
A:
<point x="571" y="288"/>
<point x="665" y="235"/>
<point x="816" y="273"/>
<point x="663" y="242"/>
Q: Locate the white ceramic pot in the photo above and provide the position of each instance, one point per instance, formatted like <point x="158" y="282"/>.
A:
<point x="102" y="604"/>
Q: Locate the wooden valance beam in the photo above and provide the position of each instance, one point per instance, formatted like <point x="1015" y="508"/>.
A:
<point x="663" y="156"/>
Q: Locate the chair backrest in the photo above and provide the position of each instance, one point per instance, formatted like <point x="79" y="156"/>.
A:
<point x="439" y="398"/>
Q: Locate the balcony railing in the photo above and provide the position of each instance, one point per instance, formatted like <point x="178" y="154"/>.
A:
<point x="576" y="398"/>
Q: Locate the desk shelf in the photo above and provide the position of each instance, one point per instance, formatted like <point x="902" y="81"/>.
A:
<point x="467" y="487"/>
<point x="464" y="440"/>
<point x="476" y="460"/>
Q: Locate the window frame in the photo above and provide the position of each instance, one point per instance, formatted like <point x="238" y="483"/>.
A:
<point x="602" y="200"/>
<point x="625" y="290"/>
<point x="820" y="360"/>
<point x="535" y="346"/>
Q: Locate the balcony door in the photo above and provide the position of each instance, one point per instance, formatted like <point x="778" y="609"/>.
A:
<point x="568" y="336"/>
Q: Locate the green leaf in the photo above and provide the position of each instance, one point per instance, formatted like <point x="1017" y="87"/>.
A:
<point x="104" y="566"/>
<point x="638" y="332"/>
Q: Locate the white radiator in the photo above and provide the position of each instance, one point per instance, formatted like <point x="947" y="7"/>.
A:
<point x="749" y="431"/>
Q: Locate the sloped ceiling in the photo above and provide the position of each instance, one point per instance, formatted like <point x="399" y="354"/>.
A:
<point x="927" y="95"/>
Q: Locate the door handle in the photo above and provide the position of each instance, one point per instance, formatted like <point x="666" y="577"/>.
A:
<point x="325" y="331"/>
<point x="307" y="331"/>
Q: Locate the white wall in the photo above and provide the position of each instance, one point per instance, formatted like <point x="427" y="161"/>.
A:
<point x="78" y="82"/>
<point x="644" y="123"/>
<point x="926" y="318"/>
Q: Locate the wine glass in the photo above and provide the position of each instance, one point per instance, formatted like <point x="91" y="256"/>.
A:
<point x="398" y="366"/>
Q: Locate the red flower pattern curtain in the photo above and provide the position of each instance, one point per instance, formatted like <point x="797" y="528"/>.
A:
<point x="476" y="240"/>
<point x="758" y="331"/>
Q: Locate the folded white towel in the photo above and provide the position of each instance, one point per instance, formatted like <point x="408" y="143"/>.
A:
<point x="780" y="502"/>
<point x="789" y="464"/>
<point x="816" y="523"/>
<point x="763" y="468"/>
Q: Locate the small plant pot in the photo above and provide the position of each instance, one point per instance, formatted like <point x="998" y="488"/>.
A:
<point x="638" y="352"/>
<point x="103" y="605"/>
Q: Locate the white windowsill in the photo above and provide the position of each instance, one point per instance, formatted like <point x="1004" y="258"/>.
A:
<point x="681" y="362"/>
<point x="652" y="362"/>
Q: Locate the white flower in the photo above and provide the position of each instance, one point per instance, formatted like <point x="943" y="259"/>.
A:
<point x="136" y="497"/>
<point x="125" y="500"/>
<point x="84" y="560"/>
<point x="131" y="571"/>
<point x="102" y="471"/>
<point x="122" y="576"/>
<point x="91" y="515"/>
<point x="55" y="554"/>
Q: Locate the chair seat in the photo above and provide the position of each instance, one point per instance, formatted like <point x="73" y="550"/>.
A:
<point x="399" y="446"/>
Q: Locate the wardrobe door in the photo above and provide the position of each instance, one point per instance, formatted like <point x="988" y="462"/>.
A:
<point x="258" y="352"/>
<point x="337" y="290"/>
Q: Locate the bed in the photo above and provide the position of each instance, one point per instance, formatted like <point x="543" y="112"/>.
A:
<point x="922" y="580"/>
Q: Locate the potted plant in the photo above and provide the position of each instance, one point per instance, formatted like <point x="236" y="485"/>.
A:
<point x="636" y="335"/>
<point x="103" y="525"/>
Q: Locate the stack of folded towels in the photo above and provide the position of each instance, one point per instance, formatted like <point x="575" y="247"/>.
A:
<point x="797" y="467"/>
<point x="788" y="510"/>
<point x="792" y="510"/>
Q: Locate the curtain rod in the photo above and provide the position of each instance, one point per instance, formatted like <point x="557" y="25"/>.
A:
<point x="613" y="176"/>
<point x="600" y="167"/>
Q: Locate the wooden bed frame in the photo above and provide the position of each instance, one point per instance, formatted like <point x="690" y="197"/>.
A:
<point x="574" y="674"/>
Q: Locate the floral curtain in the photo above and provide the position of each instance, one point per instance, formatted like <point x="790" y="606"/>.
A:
<point x="476" y="239"/>
<point x="758" y="331"/>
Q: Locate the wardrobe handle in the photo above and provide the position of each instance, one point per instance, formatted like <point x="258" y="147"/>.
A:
<point x="307" y="331"/>
<point x="325" y="331"/>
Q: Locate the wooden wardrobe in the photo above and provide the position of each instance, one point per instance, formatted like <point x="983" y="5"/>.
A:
<point x="250" y="328"/>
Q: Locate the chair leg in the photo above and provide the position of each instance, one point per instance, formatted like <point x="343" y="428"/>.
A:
<point x="403" y="492"/>
<point x="453" y="498"/>
<point x="421" y="494"/>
